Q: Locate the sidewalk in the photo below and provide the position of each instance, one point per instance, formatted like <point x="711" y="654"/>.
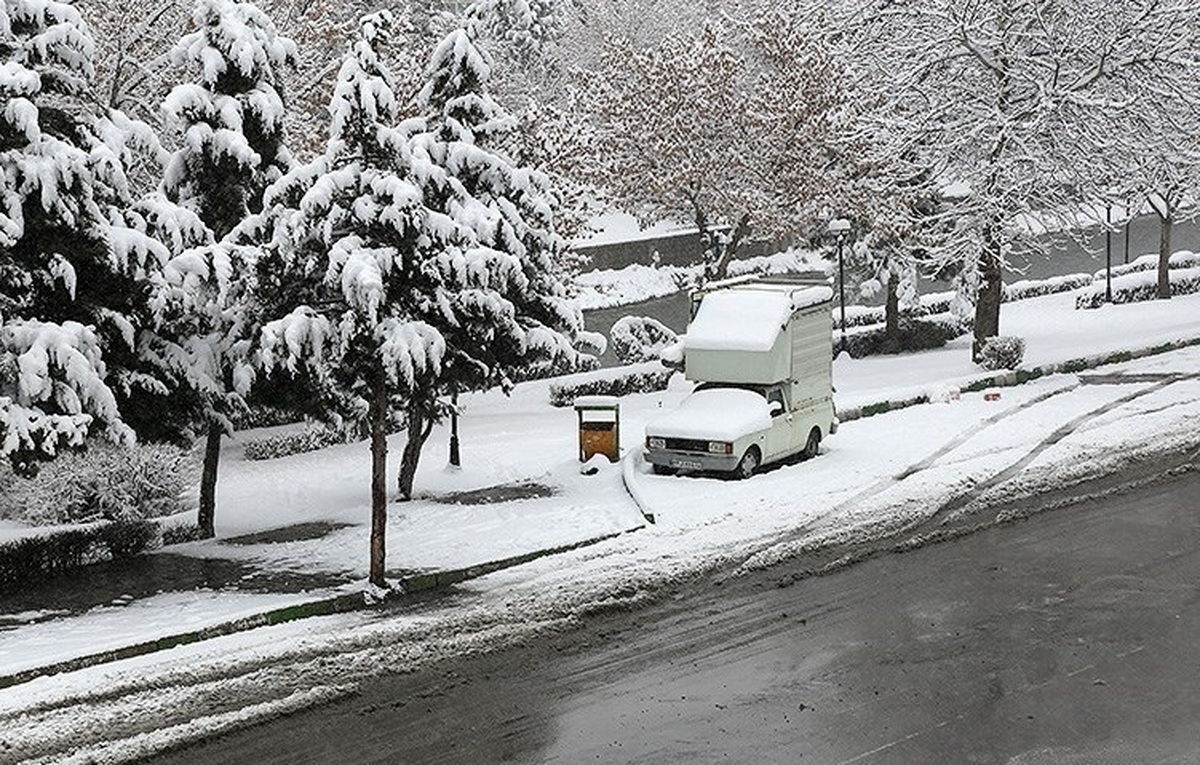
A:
<point x="443" y="539"/>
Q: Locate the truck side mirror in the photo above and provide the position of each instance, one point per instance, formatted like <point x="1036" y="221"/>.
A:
<point x="776" y="408"/>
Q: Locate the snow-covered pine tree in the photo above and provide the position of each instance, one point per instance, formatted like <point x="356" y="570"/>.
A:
<point x="352" y="221"/>
<point x="72" y="280"/>
<point x="526" y="323"/>
<point x="394" y="238"/>
<point x="230" y="117"/>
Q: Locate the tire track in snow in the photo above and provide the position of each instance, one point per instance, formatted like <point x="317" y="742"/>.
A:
<point x="1008" y="473"/>
<point x="778" y="549"/>
<point x="865" y="541"/>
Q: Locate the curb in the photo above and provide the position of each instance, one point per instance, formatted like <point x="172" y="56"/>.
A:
<point x="629" y="466"/>
<point x="354" y="601"/>
<point x="1011" y="378"/>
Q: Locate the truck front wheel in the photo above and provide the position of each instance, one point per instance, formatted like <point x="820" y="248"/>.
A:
<point x="749" y="464"/>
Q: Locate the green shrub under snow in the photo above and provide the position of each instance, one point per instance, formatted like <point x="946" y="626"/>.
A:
<point x="36" y="557"/>
<point x="914" y="335"/>
<point x="636" y="339"/>
<point x="1001" y="353"/>
<point x="622" y="382"/>
<point x="102" y="482"/>
<point x="310" y="439"/>
<point x="1138" y="286"/>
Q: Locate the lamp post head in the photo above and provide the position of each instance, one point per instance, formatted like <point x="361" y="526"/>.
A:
<point x="839" y="228"/>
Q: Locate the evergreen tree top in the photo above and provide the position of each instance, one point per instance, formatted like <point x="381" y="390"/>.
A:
<point x="235" y="47"/>
<point x="48" y="38"/>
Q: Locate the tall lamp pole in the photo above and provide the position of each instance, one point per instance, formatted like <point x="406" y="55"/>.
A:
<point x="1108" y="254"/>
<point x="840" y="228"/>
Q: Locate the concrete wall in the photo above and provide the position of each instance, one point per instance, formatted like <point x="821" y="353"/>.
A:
<point x="680" y="249"/>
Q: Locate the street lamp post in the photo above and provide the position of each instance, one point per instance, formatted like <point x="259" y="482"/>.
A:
<point x="840" y="228"/>
<point x="1108" y="255"/>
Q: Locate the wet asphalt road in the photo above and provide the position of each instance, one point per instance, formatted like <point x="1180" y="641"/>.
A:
<point x="1070" y="637"/>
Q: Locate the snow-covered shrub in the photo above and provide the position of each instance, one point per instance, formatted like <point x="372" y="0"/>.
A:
<point x="1138" y="286"/>
<point x="32" y="558"/>
<point x="1001" y="353"/>
<point x="310" y="439"/>
<point x="179" y="533"/>
<point x="1178" y="260"/>
<point x="1031" y="288"/>
<point x="623" y="384"/>
<point x="103" y="482"/>
<point x="258" y="416"/>
<point x="591" y="343"/>
<point x="639" y="338"/>
<point x="936" y="303"/>
<point x="915" y="335"/>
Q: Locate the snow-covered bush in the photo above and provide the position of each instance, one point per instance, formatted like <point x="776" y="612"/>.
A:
<point x="622" y="384"/>
<point x="1180" y="259"/>
<point x="310" y="439"/>
<point x="915" y="335"/>
<point x="639" y="338"/>
<point x="36" y="557"/>
<point x="1031" y="288"/>
<point x="1001" y="353"/>
<point x="103" y="482"/>
<point x="1138" y="286"/>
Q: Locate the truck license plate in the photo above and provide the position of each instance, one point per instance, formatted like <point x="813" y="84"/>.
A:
<point x="686" y="464"/>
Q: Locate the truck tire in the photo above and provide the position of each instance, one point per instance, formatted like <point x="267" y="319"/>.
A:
<point x="749" y="464"/>
<point x="813" y="445"/>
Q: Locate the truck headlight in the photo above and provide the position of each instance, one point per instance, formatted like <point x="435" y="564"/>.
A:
<point x="720" y="447"/>
<point x="656" y="443"/>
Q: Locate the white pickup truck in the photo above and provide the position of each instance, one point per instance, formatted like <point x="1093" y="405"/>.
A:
<point x="762" y="353"/>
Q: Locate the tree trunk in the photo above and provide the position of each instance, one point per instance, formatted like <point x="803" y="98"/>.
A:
<point x="378" y="416"/>
<point x="719" y="268"/>
<point x="891" y="311"/>
<point x="208" y="481"/>
<point x="1164" y="255"/>
<point x="991" y="292"/>
<point x="419" y="428"/>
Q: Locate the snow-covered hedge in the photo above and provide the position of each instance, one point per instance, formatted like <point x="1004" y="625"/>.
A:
<point x="622" y="383"/>
<point x="635" y="339"/>
<point x="1139" y="286"/>
<point x="915" y="335"/>
<point x="869" y="315"/>
<point x="1179" y="260"/>
<point x="310" y="439"/>
<point x="939" y="302"/>
<point x="103" y="482"/>
<point x="1031" y="288"/>
<point x="265" y="417"/>
<point x="31" y="558"/>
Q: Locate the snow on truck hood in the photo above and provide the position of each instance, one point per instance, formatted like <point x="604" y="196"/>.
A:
<point x="716" y="414"/>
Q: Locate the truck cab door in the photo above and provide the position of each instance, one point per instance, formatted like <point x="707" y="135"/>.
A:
<point x="779" y="437"/>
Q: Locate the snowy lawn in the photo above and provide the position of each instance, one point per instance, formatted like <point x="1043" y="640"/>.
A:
<point x="877" y="472"/>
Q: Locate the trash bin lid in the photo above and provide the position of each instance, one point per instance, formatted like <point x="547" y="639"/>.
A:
<point x="597" y="402"/>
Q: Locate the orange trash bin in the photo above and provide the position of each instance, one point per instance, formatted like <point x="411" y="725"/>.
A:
<point x="599" y="427"/>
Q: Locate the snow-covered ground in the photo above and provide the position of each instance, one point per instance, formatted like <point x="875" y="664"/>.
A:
<point x="946" y="451"/>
